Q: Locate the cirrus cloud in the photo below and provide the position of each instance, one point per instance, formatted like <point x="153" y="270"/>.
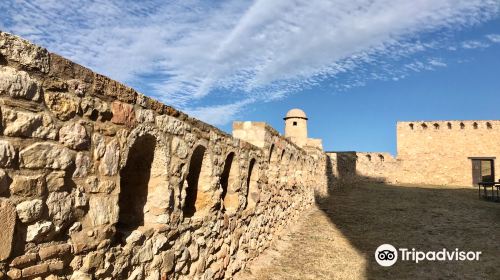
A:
<point x="189" y="53"/>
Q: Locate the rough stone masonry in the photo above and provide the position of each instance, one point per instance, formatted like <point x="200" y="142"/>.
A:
<point x="98" y="181"/>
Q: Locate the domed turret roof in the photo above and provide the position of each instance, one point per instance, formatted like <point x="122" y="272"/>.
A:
<point x="296" y="113"/>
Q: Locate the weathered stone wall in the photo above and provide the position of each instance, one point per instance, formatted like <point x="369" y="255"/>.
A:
<point x="98" y="181"/>
<point x="302" y="168"/>
<point x="351" y="167"/>
<point x="431" y="153"/>
<point x="438" y="152"/>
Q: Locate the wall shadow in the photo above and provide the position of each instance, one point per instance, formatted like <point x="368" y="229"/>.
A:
<point x="370" y="214"/>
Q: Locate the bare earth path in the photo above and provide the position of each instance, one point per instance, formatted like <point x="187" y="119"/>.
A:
<point x="337" y="238"/>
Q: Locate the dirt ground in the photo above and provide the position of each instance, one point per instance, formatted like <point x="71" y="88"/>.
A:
<point x="337" y="238"/>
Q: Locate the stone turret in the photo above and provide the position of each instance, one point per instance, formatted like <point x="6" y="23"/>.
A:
<point x="296" y="130"/>
<point x="296" y="126"/>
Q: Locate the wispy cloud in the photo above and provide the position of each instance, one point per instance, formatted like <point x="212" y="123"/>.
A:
<point x="220" y="114"/>
<point x="185" y="52"/>
<point x="495" y="38"/>
<point x="475" y="44"/>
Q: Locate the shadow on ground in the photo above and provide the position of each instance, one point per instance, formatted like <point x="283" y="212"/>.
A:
<point x="425" y="218"/>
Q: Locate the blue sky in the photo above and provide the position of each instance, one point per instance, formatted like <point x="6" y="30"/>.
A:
<point x="355" y="66"/>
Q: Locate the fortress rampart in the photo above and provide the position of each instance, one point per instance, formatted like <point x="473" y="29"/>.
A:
<point x="98" y="181"/>
<point x="429" y="152"/>
<point x="351" y="167"/>
<point x="440" y="152"/>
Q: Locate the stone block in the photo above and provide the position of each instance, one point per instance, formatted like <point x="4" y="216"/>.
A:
<point x="145" y="115"/>
<point x="60" y="208"/>
<point x="99" y="186"/>
<point x="29" y="211"/>
<point x="46" y="155"/>
<point x="63" y="105"/>
<point x="55" y="181"/>
<point x="74" y="136"/>
<point x="56" y="266"/>
<point x="171" y="125"/>
<point x="103" y="210"/>
<point x="27" y="124"/>
<point x="4" y="182"/>
<point x="55" y="251"/>
<point x="7" y="154"/>
<point x="180" y="148"/>
<point x="66" y="69"/>
<point x="14" y="273"/>
<point x="18" y="84"/>
<point x="8" y="223"/>
<point x="29" y="56"/>
<point x="24" y="260"/>
<point x="35" y="270"/>
<point x="83" y="165"/>
<point x="28" y="186"/>
<point x="99" y="145"/>
<point x="38" y="231"/>
<point x="123" y="113"/>
<point x="79" y="275"/>
<point x="109" y="163"/>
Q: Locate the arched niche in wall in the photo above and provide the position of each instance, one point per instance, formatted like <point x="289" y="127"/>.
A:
<point x="292" y="167"/>
<point x="282" y="156"/>
<point x="136" y="180"/>
<point x="273" y="166"/>
<point x="271" y="153"/>
<point x="253" y="193"/>
<point x="229" y="181"/>
<point x="283" y="164"/>
<point x="198" y="195"/>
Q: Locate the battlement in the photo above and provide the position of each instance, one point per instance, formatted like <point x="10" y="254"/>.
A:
<point x="374" y="157"/>
<point x="350" y="166"/>
<point x="438" y="126"/>
<point x="439" y="152"/>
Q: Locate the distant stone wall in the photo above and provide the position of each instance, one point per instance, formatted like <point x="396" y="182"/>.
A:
<point x="351" y="167"/>
<point x="430" y="153"/>
<point x="98" y="181"/>
<point x="438" y="152"/>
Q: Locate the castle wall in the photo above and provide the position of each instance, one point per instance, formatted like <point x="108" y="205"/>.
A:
<point x="98" y="181"/>
<point x="430" y="153"/>
<point x="352" y="167"/>
<point x="438" y="152"/>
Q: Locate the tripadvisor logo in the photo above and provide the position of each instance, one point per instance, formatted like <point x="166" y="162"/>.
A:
<point x="387" y="255"/>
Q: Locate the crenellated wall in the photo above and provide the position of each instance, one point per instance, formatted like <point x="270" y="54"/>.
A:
<point x="429" y="152"/>
<point x="439" y="152"/>
<point x="351" y="167"/>
<point x="98" y="181"/>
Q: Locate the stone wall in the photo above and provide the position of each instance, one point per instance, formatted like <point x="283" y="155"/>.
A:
<point x="98" y="181"/>
<point x="438" y="152"/>
<point x="351" y="167"/>
<point x="430" y="153"/>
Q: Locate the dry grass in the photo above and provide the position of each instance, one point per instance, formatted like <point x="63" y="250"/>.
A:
<point x="337" y="238"/>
